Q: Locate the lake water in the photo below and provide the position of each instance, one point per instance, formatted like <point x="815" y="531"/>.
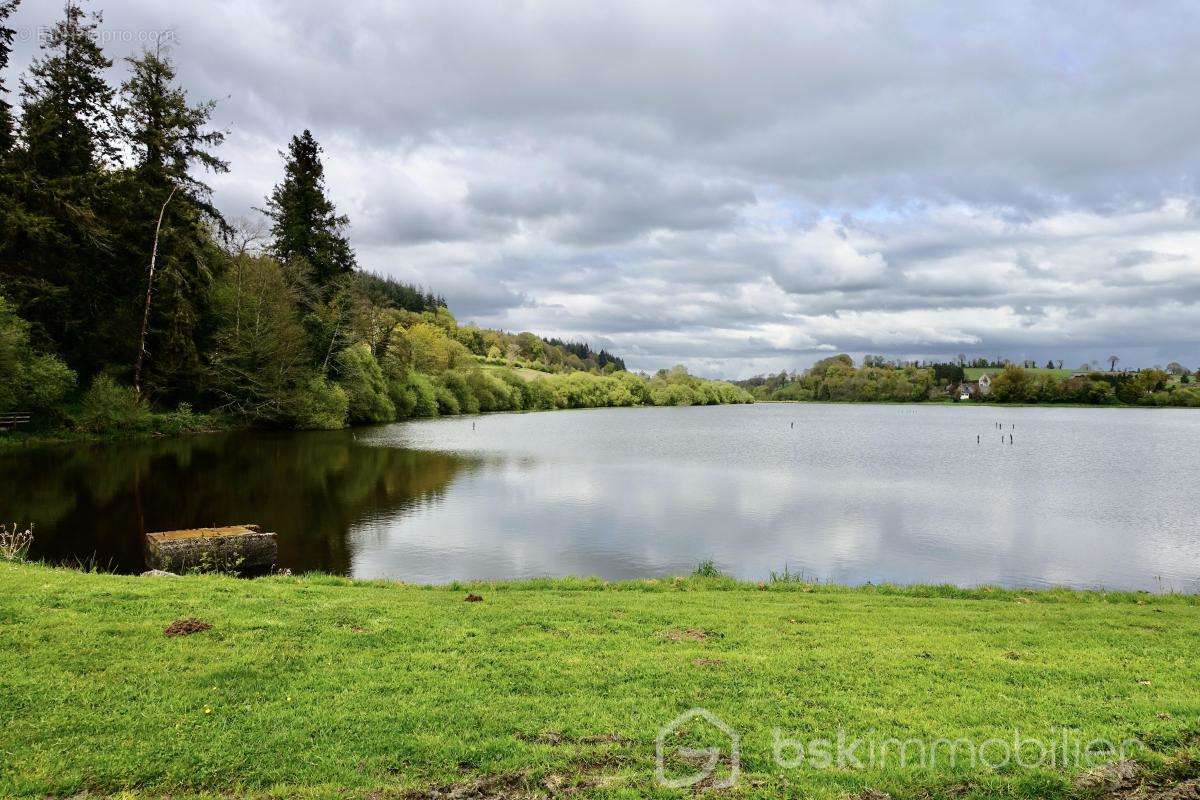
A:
<point x="850" y="494"/>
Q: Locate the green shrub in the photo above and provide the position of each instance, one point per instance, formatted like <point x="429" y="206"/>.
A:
<point x="495" y="392"/>
<point x="447" y="403"/>
<point x="465" y="400"/>
<point x="362" y="380"/>
<point x="182" y="420"/>
<point x="673" y="394"/>
<point x="1189" y="397"/>
<point x="540" y="396"/>
<point x="31" y="382"/>
<point x="520" y="391"/>
<point x="46" y="381"/>
<point x="321" y="405"/>
<point x="108" y="407"/>
<point x="425" y="401"/>
<point x="403" y="397"/>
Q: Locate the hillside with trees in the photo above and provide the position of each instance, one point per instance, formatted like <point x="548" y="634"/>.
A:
<point x="129" y="302"/>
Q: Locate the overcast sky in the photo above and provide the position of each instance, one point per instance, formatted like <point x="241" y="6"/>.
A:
<point x="742" y="186"/>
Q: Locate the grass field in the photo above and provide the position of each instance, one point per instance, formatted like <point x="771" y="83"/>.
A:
<point x="323" y="687"/>
<point x="974" y="373"/>
<point x="524" y="372"/>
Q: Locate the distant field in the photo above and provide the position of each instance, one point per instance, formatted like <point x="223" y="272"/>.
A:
<point x="524" y="372"/>
<point x="974" y="373"/>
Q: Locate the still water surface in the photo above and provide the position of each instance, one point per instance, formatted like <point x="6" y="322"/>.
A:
<point x="851" y="494"/>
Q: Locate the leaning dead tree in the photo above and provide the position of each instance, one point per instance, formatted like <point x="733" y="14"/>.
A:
<point x="141" y="356"/>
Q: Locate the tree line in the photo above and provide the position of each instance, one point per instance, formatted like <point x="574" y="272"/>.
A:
<point x="128" y="301"/>
<point x="837" y="379"/>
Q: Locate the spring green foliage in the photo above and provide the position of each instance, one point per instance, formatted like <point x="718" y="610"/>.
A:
<point x="324" y="687"/>
<point x="284" y="333"/>
<point x="425" y="370"/>
<point x="321" y="404"/>
<point x="109" y="406"/>
<point x="361" y="378"/>
<point x="32" y="381"/>
<point x="1147" y="387"/>
<point x="837" y="379"/>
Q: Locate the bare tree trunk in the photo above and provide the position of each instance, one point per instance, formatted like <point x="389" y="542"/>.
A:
<point x="141" y="356"/>
<point x="329" y="352"/>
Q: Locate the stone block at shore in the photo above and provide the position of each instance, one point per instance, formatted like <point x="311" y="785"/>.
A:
<point x="235" y="548"/>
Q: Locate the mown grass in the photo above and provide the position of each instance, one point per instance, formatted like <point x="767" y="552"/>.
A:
<point x="317" y="686"/>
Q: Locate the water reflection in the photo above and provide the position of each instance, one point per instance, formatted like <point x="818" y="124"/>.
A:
<point x="95" y="503"/>
<point x="1084" y="497"/>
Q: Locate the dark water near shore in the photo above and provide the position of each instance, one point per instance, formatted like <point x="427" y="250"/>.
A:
<point x="854" y="493"/>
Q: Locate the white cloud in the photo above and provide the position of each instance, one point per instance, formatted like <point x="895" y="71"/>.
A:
<point x="738" y="187"/>
<point x="824" y="257"/>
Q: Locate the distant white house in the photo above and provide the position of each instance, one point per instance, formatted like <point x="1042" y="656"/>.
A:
<point x="971" y="389"/>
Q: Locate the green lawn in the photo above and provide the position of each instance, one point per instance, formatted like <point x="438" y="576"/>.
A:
<point x="323" y="687"/>
<point x="974" y="373"/>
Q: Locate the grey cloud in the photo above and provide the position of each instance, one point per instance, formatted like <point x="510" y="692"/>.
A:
<point x="473" y="301"/>
<point x="736" y="186"/>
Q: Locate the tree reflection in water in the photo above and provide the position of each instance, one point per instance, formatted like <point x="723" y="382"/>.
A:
<point x="93" y="504"/>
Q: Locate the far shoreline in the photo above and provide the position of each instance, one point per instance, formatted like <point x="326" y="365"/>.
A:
<point x="15" y="441"/>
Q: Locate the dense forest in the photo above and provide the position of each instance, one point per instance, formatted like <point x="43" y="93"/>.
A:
<point x="129" y="302"/>
<point x="837" y="379"/>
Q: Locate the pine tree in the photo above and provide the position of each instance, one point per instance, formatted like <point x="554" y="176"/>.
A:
<point x="168" y="213"/>
<point x="55" y="252"/>
<point x="305" y="225"/>
<point x="166" y="134"/>
<point x="67" y="104"/>
<point x="6" y="39"/>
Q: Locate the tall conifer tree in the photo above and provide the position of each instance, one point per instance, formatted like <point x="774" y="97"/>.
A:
<point x="67" y="104"/>
<point x="56" y="254"/>
<point x="168" y="138"/>
<point x="7" y="7"/>
<point x="305" y="225"/>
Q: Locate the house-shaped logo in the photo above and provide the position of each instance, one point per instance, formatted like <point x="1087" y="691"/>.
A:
<point x="709" y="758"/>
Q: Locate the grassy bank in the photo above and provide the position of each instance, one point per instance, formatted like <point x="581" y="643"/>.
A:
<point x="323" y="687"/>
<point x="163" y="426"/>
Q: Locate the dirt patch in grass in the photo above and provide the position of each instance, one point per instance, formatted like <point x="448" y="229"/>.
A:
<point x="1127" y="780"/>
<point x="577" y="777"/>
<point x="474" y="598"/>
<point x="1110" y="777"/>
<point x="556" y="737"/>
<point x="708" y="662"/>
<point x="186" y="627"/>
<point x="495" y="787"/>
<point x="687" y="634"/>
<point x="871" y="794"/>
<point x="1188" y="790"/>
